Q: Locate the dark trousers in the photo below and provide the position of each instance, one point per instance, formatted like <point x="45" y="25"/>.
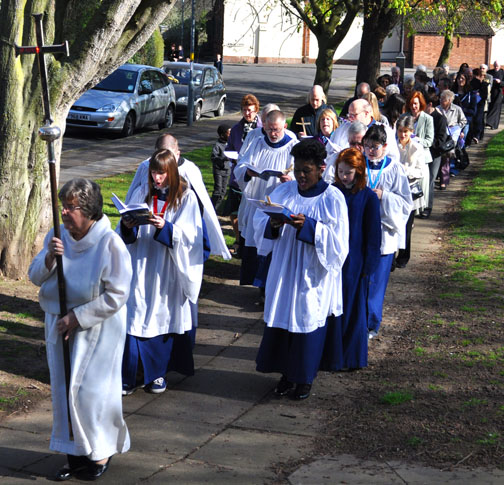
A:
<point x="221" y="178"/>
<point x="404" y="254"/>
<point x="433" y="171"/>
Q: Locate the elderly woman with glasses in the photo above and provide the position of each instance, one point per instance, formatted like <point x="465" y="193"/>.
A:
<point x="97" y="273"/>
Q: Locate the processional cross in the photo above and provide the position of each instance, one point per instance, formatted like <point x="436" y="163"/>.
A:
<point x="303" y="123"/>
<point x="50" y="133"/>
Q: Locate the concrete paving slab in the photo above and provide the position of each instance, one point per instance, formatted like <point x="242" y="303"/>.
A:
<point x="280" y="415"/>
<point x="19" y="449"/>
<point x="418" y="475"/>
<point x="17" y="478"/>
<point x="251" y="450"/>
<point x="190" y="406"/>
<point x="345" y="469"/>
<point x="243" y="386"/>
<point x="38" y="421"/>
<point x="174" y="437"/>
<point x="192" y="472"/>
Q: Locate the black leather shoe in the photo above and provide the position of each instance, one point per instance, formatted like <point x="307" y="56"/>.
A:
<point x="95" y="471"/>
<point x="283" y="386"/>
<point x="302" y="391"/>
<point x="68" y="472"/>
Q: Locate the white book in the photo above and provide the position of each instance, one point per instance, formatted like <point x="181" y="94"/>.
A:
<point x="140" y="213"/>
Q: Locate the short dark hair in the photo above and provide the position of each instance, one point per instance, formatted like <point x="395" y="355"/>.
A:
<point x="376" y="133"/>
<point x="310" y="150"/>
<point x="88" y="195"/>
<point x="222" y="129"/>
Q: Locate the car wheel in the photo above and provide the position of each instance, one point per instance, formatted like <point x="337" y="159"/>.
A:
<point x="197" y="112"/>
<point x="220" y="108"/>
<point x="129" y="125"/>
<point x="169" y="117"/>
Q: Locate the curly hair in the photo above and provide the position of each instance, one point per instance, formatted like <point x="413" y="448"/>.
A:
<point x="310" y="150"/>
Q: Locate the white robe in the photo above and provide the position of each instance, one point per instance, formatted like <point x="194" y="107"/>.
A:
<point x="258" y="133"/>
<point x="304" y="284"/>
<point x="97" y="274"/>
<point x="166" y="279"/>
<point x="396" y="205"/>
<point x="261" y="155"/>
<point x="340" y="137"/>
<point x="413" y="162"/>
<point x="190" y="171"/>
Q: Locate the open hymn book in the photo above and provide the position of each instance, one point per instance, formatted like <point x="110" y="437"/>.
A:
<point x="140" y="213"/>
<point x="266" y="173"/>
<point x="274" y="210"/>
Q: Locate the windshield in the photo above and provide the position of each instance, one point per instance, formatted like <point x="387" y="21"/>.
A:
<point x="182" y="75"/>
<point x="120" y="81"/>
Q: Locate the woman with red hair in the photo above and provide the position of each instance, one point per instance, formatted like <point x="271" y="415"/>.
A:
<point x="347" y="335"/>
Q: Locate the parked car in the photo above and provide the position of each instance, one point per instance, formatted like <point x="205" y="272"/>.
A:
<point x="131" y="97"/>
<point x="209" y="88"/>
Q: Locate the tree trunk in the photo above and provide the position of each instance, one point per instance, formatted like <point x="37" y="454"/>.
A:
<point x="379" y="20"/>
<point x="445" y="51"/>
<point x="101" y="38"/>
<point x="324" y="65"/>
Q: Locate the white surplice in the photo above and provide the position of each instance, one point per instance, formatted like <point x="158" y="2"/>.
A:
<point x="258" y="133"/>
<point x="97" y="274"/>
<point x="396" y="205"/>
<point x="166" y="279"/>
<point x="190" y="171"/>
<point x="262" y="155"/>
<point x="340" y="138"/>
<point x="304" y="284"/>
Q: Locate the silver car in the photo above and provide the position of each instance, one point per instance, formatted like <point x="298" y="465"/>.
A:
<point x="131" y="97"/>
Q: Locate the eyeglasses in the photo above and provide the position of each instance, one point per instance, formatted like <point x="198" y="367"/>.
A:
<point x="373" y="147"/>
<point x="351" y="116"/>
<point x="69" y="208"/>
<point x="356" y="144"/>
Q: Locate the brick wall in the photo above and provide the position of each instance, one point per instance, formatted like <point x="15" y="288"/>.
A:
<point x="425" y="50"/>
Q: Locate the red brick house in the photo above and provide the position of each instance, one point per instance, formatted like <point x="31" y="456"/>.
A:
<point x="472" y="43"/>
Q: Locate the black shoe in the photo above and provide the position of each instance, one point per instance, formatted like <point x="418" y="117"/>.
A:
<point x="95" y="471"/>
<point x="283" y="386"/>
<point x="425" y="213"/>
<point x="76" y="465"/>
<point x="400" y="264"/>
<point x="302" y="391"/>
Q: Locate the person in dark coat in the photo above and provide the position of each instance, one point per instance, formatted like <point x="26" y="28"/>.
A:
<point x="309" y="113"/>
<point x="494" y="110"/>
<point x="347" y="336"/>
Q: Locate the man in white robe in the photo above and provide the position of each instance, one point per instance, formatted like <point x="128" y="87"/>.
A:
<point x="360" y="110"/>
<point x="192" y="174"/>
<point x="272" y="152"/>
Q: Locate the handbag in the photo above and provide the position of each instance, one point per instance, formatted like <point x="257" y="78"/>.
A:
<point x="447" y="146"/>
<point x="416" y="190"/>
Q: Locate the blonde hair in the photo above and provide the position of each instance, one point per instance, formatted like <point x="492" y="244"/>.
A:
<point x="373" y="102"/>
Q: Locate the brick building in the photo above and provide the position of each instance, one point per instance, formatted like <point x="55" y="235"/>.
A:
<point x="472" y="43"/>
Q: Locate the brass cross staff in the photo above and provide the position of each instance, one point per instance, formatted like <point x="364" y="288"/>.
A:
<point x="49" y="133"/>
<point x="304" y="124"/>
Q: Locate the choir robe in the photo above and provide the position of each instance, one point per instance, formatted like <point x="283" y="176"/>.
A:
<point x="262" y="154"/>
<point x="257" y="133"/>
<point x="340" y="137"/>
<point x="97" y="276"/>
<point x="396" y="205"/>
<point x="167" y="273"/>
<point x="192" y="175"/>
<point x="347" y="336"/>
<point x="304" y="284"/>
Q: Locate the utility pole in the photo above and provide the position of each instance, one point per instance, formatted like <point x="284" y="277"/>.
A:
<point x="190" y="94"/>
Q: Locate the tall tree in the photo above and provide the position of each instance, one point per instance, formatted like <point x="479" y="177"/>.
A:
<point x="330" y="21"/>
<point x="380" y="17"/>
<point x="103" y="34"/>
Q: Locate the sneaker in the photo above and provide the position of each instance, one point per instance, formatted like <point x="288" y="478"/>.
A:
<point x="372" y="334"/>
<point x="127" y="390"/>
<point x="157" y="386"/>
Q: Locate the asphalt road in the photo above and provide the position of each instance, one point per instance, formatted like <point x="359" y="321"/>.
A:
<point x="270" y="83"/>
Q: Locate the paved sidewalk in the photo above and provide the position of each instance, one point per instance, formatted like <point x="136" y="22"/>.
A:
<point x="224" y="425"/>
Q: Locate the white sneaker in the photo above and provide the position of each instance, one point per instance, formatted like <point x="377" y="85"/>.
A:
<point x="372" y="334"/>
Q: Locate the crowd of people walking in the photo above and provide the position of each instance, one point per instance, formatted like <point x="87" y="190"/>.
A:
<point x="322" y="212"/>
